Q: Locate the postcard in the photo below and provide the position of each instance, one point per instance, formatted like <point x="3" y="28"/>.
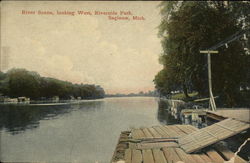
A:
<point x="124" y="81"/>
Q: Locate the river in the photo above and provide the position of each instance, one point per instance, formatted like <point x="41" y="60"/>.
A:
<point x="87" y="132"/>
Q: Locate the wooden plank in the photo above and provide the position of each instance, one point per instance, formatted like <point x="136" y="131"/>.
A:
<point x="135" y="133"/>
<point x="128" y="156"/>
<point x="157" y="145"/>
<point x="147" y="133"/>
<point x="192" y="127"/>
<point x="189" y="140"/>
<point x="141" y="134"/>
<point x="161" y="149"/>
<point x="215" y="156"/>
<point x="147" y="156"/>
<point x="132" y="145"/>
<point x="229" y="154"/>
<point x="241" y="128"/>
<point x="185" y="128"/>
<point x="170" y="155"/>
<point x="239" y="114"/>
<point x="184" y="156"/>
<point x="192" y="139"/>
<point x="136" y="156"/>
<point x="211" y="134"/>
<point x="224" y="126"/>
<point x="209" y="140"/>
<point x="234" y="122"/>
<point x="196" y="133"/>
<point x="172" y="132"/>
<point x="154" y="132"/>
<point x="205" y="158"/>
<point x="206" y="137"/>
<point x="159" y="156"/>
<point x="160" y="131"/>
<point x="217" y="129"/>
<point x="138" y="134"/>
<point x="177" y="130"/>
<point x="166" y="133"/>
<point x="190" y="146"/>
<point x="234" y="125"/>
<point x="221" y="135"/>
<point x="198" y="158"/>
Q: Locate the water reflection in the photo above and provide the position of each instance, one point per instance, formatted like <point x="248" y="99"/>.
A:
<point x="18" y="118"/>
<point x="73" y="133"/>
<point x="164" y="114"/>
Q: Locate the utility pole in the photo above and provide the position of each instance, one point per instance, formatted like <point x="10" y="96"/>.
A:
<point x="212" y="50"/>
<point x="211" y="97"/>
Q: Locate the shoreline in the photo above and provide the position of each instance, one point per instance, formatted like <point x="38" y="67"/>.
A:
<point x="50" y="103"/>
<point x="66" y="102"/>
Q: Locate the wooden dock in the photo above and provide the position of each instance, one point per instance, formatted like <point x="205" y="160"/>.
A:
<point x="159" y="144"/>
<point x="211" y="134"/>
<point x="223" y="113"/>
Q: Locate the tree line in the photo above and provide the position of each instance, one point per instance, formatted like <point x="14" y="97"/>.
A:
<point x="190" y="26"/>
<point x="20" y="82"/>
<point x="141" y="93"/>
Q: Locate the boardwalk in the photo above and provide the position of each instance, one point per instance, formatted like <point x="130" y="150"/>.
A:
<point x="238" y="114"/>
<point x="211" y="134"/>
<point x="159" y="144"/>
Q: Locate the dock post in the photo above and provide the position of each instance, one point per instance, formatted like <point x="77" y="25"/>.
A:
<point x="211" y="100"/>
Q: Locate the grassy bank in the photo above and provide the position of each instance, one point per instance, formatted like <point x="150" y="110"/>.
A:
<point x="181" y="96"/>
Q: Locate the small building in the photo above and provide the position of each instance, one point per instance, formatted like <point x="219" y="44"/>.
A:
<point x="5" y="99"/>
<point x="11" y="100"/>
<point x="23" y="99"/>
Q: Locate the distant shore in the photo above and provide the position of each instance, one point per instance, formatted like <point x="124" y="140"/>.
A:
<point x="47" y="102"/>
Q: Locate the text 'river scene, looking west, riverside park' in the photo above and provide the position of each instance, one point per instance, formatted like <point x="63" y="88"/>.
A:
<point x="125" y="82"/>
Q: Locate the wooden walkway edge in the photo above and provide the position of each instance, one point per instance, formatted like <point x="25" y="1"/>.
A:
<point x="211" y="134"/>
<point x="159" y="144"/>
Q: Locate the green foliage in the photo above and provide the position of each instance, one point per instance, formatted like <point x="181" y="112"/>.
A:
<point x="23" y="83"/>
<point x="20" y="82"/>
<point x="187" y="28"/>
<point x="164" y="84"/>
<point x="181" y="96"/>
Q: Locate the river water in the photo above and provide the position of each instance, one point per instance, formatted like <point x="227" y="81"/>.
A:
<point x="87" y="132"/>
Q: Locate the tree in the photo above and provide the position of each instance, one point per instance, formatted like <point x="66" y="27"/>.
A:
<point x="3" y="83"/>
<point x="23" y="83"/>
<point x="20" y="82"/>
<point x="188" y="27"/>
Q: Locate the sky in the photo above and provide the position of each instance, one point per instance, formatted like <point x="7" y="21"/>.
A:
<point x="120" y="55"/>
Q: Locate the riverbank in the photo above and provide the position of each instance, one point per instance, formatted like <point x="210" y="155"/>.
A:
<point x="188" y="113"/>
<point x="68" y="102"/>
<point x="49" y="103"/>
